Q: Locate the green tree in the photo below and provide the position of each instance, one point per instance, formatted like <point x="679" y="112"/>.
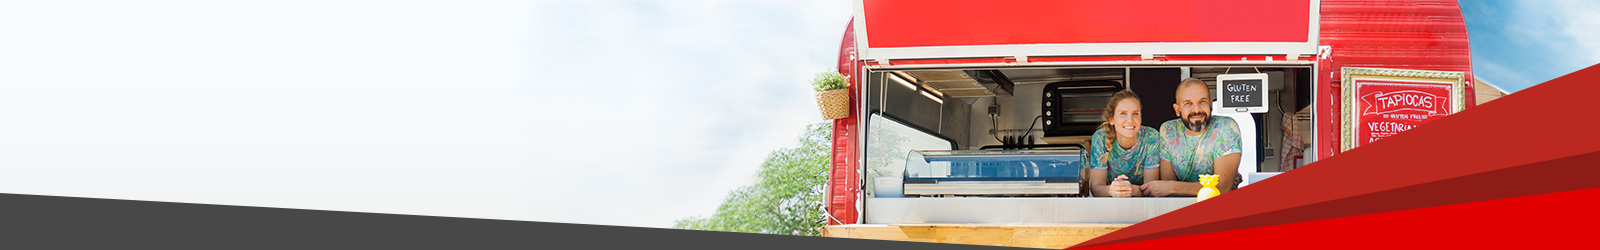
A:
<point x="787" y="197"/>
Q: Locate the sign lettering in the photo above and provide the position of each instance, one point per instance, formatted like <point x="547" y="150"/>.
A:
<point x="1241" y="93"/>
<point x="1388" y="108"/>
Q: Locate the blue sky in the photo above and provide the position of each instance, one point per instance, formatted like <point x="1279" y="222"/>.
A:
<point x="628" y="113"/>
<point x="1517" y="44"/>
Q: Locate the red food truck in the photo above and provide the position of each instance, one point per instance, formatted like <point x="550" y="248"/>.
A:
<point x="952" y="88"/>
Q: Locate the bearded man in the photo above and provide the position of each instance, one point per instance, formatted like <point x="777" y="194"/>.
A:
<point x="1195" y="144"/>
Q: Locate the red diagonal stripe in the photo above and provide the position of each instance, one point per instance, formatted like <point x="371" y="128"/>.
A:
<point x="1547" y="221"/>
<point x="1524" y="128"/>
<point x="1532" y="179"/>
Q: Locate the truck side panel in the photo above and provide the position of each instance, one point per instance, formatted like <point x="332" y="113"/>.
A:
<point x="844" y="178"/>
<point x="1418" y="34"/>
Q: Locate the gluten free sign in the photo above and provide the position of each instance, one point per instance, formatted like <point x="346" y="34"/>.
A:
<point x="1242" y="92"/>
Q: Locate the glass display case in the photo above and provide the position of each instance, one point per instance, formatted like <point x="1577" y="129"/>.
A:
<point x="993" y="172"/>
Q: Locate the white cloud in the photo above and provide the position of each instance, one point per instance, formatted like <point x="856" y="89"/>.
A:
<point x="1567" y="26"/>
<point x="1493" y="72"/>
<point x="1579" y="24"/>
<point x="722" y="83"/>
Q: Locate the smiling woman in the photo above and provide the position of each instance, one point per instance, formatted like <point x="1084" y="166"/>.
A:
<point x="1122" y="153"/>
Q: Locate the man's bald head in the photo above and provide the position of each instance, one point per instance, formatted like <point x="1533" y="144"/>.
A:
<point x="1189" y="83"/>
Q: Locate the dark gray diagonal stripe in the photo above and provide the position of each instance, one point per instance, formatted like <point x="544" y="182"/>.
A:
<point x="49" y="222"/>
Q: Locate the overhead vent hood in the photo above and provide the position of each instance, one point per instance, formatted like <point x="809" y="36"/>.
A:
<point x="967" y="83"/>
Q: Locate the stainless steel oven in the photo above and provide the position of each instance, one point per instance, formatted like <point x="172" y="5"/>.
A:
<point x="1073" y="108"/>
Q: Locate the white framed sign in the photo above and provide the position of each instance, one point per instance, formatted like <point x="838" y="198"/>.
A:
<point x="1242" y="93"/>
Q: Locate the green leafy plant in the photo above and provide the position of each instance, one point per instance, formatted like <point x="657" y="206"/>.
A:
<point x="828" y="80"/>
<point x="787" y="197"/>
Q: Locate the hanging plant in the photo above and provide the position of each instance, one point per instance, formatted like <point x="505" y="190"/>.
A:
<point x="832" y="97"/>
<point x="828" y="80"/>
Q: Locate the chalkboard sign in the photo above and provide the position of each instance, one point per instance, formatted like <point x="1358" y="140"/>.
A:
<point x="1242" y="93"/>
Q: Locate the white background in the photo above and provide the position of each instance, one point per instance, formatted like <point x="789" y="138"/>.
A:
<point x="621" y="113"/>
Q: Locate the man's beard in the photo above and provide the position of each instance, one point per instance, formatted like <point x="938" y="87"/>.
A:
<point x="1205" y="120"/>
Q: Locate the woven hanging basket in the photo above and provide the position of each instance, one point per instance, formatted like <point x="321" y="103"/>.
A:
<point x="834" y="104"/>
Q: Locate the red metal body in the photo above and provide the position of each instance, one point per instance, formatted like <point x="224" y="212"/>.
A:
<point x="844" y="175"/>
<point x="1325" y="34"/>
<point x="1411" y="34"/>
<point x="921" y="23"/>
